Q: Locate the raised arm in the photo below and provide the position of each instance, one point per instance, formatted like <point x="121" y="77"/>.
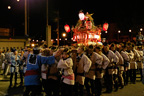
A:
<point x="47" y="60"/>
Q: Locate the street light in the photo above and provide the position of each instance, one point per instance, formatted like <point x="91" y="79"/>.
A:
<point x="141" y="29"/>
<point x="64" y="35"/>
<point x="9" y="7"/>
<point x="130" y="30"/>
<point x="32" y="44"/>
<point x="130" y="33"/>
<point x="119" y="31"/>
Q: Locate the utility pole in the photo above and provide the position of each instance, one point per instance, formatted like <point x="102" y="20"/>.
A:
<point x="47" y="22"/>
<point x="58" y="29"/>
<point x="48" y="28"/>
<point x="47" y="13"/>
<point x="26" y="18"/>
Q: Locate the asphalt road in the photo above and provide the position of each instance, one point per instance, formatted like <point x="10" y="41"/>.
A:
<point x="129" y="90"/>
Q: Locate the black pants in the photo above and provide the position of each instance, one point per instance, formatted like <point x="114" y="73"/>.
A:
<point x="108" y="78"/>
<point x="98" y="86"/>
<point x="66" y="90"/>
<point x="21" y="77"/>
<point x="132" y="75"/>
<point x="126" y="77"/>
<point x="90" y="85"/>
<point x="35" y="90"/>
<point x="115" y="79"/>
<point x="45" y="85"/>
<point x="11" y="78"/>
<point x="51" y="87"/>
<point x="78" y="89"/>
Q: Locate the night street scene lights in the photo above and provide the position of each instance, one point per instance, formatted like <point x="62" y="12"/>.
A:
<point x="141" y="29"/>
<point x="119" y="31"/>
<point x="64" y="35"/>
<point x="9" y="7"/>
<point x="81" y="15"/>
<point x="130" y="30"/>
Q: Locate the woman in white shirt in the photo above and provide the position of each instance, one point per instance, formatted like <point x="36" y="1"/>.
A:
<point x="66" y="64"/>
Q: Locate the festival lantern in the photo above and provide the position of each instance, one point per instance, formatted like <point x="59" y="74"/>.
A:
<point x="81" y="16"/>
<point x="105" y="26"/>
<point x="67" y="28"/>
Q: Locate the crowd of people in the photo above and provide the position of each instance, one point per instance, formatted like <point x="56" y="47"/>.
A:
<point x="69" y="70"/>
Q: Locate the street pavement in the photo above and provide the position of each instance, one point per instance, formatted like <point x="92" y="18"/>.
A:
<point x="129" y="90"/>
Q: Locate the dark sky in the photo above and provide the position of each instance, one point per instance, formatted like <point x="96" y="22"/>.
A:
<point x="125" y="14"/>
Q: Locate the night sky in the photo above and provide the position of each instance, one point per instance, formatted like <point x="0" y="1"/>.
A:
<point x="120" y="14"/>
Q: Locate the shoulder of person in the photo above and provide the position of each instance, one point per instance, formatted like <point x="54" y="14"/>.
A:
<point x="110" y="52"/>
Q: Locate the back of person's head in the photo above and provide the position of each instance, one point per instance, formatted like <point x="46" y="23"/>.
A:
<point x="83" y="47"/>
<point x="36" y="50"/>
<point x="46" y="52"/>
<point x="90" y="46"/>
<point x="53" y="48"/>
<point x="99" y="47"/>
<point x="7" y="50"/>
<point x="112" y="45"/>
<point x="67" y="51"/>
<point x="45" y="46"/>
<point x="133" y="45"/>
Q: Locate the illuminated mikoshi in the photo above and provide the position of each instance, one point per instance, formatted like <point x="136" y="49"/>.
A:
<point x="85" y="32"/>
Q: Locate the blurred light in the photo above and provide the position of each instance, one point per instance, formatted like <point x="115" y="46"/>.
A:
<point x="33" y="40"/>
<point x="90" y="36"/>
<point x="106" y="32"/>
<point x="36" y="40"/>
<point x="60" y="39"/>
<point x="51" y="39"/>
<point x="141" y="29"/>
<point x="119" y="31"/>
<point x="96" y="36"/>
<point x="65" y="38"/>
<point x="130" y="30"/>
<point x="9" y="7"/>
<point x="32" y="45"/>
<point x="100" y="43"/>
<point x="64" y="34"/>
<point x="18" y="0"/>
<point x="42" y="40"/>
<point x="56" y="39"/>
<point x="105" y="26"/>
<point x="81" y="15"/>
<point x="67" y="28"/>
